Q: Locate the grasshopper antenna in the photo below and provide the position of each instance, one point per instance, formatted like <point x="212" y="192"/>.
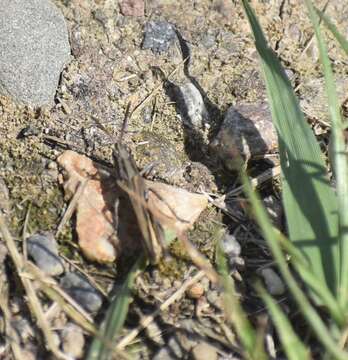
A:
<point x="125" y="122"/>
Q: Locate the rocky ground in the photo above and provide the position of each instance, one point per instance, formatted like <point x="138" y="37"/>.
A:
<point x="173" y="69"/>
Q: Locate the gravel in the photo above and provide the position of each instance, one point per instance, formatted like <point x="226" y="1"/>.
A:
<point x="34" y="47"/>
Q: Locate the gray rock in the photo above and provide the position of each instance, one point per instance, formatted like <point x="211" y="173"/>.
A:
<point x="158" y="36"/>
<point x="43" y="249"/>
<point x="73" y="340"/>
<point x="191" y="106"/>
<point x="34" y="47"/>
<point x="82" y="291"/>
<point x="273" y="282"/>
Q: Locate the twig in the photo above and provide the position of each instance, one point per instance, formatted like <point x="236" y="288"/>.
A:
<point x="85" y="273"/>
<point x="25" y="233"/>
<point x="147" y="320"/>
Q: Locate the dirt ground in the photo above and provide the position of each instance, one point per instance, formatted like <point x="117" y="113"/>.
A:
<point x="108" y="71"/>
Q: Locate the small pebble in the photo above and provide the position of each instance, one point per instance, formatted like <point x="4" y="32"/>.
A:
<point x="43" y="249"/>
<point x="163" y="354"/>
<point x="208" y="40"/>
<point x="158" y="37"/>
<point x="73" y="340"/>
<point x="275" y="210"/>
<point x="204" y="351"/>
<point x="79" y="288"/>
<point x="230" y="245"/>
<point x="195" y="291"/>
<point x="191" y="106"/>
<point x="273" y="282"/>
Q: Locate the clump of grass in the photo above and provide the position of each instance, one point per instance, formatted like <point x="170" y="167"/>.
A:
<point x="316" y="213"/>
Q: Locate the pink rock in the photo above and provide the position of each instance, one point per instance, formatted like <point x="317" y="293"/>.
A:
<point x="94" y="216"/>
<point x="132" y="7"/>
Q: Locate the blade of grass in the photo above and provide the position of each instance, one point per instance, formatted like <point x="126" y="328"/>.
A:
<point x="271" y="236"/>
<point x="322" y="292"/>
<point x="309" y="201"/>
<point x="235" y="313"/>
<point x="339" y="155"/>
<point x="102" y="346"/>
<point x="292" y="345"/>
<point x="332" y="27"/>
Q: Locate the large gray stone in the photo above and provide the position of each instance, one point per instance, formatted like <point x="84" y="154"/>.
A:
<point x="80" y="289"/>
<point x="34" y="47"/>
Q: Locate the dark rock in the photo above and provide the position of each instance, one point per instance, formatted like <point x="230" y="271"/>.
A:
<point x="158" y="37"/>
<point x="34" y="47"/>
<point x="82" y="291"/>
<point x="43" y="249"/>
<point x="247" y="132"/>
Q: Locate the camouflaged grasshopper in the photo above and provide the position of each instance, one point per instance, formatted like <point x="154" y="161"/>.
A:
<point x="133" y="184"/>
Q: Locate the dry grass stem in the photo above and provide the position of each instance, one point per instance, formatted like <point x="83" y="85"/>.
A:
<point x="72" y="206"/>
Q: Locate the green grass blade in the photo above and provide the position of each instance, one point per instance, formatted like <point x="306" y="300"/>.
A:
<point x="321" y="291"/>
<point x="332" y="27"/>
<point x="292" y="345"/>
<point x="339" y="154"/>
<point x="309" y="201"/>
<point x="102" y="346"/>
<point x="235" y="313"/>
<point x="271" y="236"/>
